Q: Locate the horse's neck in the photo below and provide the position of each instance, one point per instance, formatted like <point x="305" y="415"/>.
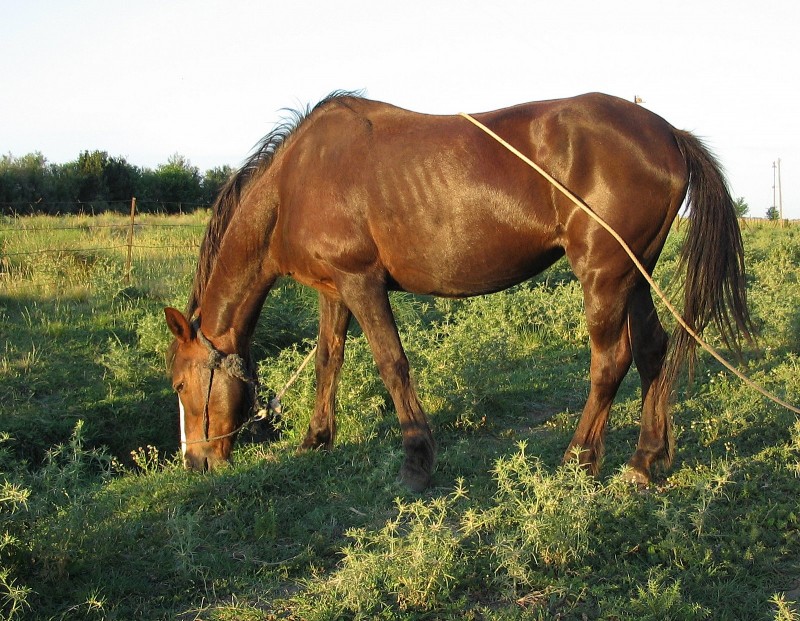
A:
<point x="238" y="283"/>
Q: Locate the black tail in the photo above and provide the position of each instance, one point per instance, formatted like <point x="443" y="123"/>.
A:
<point x="713" y="256"/>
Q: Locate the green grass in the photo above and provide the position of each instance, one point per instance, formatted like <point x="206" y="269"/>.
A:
<point x="98" y="519"/>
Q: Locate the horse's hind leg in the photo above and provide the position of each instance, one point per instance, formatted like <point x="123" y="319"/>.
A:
<point x="606" y="314"/>
<point x="649" y="351"/>
<point x="369" y="301"/>
<point x="334" y="318"/>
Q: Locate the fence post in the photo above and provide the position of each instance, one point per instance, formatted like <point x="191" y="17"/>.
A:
<point x="130" y="242"/>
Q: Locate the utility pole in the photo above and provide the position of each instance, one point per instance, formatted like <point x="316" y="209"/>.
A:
<point x="774" y="183"/>
<point x="780" y="193"/>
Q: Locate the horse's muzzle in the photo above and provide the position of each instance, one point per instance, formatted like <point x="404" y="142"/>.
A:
<point x="202" y="462"/>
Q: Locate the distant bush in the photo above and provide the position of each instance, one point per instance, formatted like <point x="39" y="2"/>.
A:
<point x="97" y="182"/>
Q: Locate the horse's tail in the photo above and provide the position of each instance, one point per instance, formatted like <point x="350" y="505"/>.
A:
<point x="713" y="256"/>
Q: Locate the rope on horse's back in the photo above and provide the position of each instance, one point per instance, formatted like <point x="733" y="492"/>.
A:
<point x="586" y="209"/>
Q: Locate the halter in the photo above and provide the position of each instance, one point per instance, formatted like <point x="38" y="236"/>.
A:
<point x="234" y="366"/>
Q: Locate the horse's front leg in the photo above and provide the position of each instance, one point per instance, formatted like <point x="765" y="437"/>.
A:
<point x="369" y="301"/>
<point x="334" y="317"/>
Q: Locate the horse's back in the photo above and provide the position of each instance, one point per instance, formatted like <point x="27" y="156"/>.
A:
<point x="443" y="209"/>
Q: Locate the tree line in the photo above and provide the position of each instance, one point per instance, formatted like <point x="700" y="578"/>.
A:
<point x="99" y="182"/>
<point x="96" y="181"/>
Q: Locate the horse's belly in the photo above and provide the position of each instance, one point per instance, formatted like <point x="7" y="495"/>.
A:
<point x="462" y="274"/>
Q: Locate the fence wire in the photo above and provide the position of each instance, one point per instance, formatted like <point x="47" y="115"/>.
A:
<point x="23" y="208"/>
<point x="18" y="229"/>
<point x="87" y="229"/>
<point x="31" y="232"/>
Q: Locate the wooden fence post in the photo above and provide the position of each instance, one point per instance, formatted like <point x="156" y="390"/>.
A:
<point x="130" y="242"/>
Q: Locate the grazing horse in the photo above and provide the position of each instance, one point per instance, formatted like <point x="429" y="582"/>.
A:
<point x="356" y="198"/>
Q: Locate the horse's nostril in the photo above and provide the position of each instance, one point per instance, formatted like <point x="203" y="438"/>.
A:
<point x="196" y="464"/>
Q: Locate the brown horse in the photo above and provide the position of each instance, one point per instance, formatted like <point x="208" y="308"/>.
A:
<point x="356" y="198"/>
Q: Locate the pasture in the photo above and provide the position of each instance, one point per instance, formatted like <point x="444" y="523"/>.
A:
<point x="99" y="520"/>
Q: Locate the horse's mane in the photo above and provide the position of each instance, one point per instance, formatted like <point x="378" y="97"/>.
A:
<point x="229" y="196"/>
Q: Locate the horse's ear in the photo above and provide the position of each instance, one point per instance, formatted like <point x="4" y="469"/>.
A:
<point x="178" y="325"/>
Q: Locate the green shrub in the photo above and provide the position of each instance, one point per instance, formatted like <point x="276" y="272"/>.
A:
<point x="540" y="519"/>
<point x="413" y="563"/>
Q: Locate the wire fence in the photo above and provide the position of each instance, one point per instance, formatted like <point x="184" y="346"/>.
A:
<point x="89" y="229"/>
<point x="98" y="207"/>
<point x="26" y="237"/>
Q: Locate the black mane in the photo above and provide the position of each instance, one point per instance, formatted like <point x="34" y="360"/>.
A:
<point x="228" y="199"/>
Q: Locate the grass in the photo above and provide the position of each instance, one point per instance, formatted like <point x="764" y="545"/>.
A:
<point x="98" y="519"/>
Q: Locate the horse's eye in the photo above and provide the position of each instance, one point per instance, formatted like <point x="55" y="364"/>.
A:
<point x="179" y="387"/>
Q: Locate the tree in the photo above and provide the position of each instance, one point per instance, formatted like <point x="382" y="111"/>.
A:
<point x="741" y="207"/>
<point x="213" y="181"/>
<point x="26" y="179"/>
<point x="773" y="213"/>
<point x="31" y="183"/>
<point x="176" y="182"/>
<point x="93" y="178"/>
<point x="121" y="179"/>
<point x="89" y="173"/>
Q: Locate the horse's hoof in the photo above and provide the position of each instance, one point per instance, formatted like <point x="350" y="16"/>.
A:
<point x="636" y="477"/>
<point x="415" y="479"/>
<point x="312" y="442"/>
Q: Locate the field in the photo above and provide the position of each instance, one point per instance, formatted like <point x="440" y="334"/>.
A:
<point x="99" y="521"/>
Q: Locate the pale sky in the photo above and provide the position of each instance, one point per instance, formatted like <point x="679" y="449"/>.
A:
<point x="207" y="79"/>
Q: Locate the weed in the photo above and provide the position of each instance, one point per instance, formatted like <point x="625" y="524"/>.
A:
<point x="539" y="519"/>
<point x="13" y="498"/>
<point x="146" y="458"/>
<point x="783" y="610"/>
<point x="661" y="599"/>
<point x="413" y="563"/>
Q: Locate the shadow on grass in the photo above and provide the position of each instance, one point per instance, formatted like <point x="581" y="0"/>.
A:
<point x="59" y="367"/>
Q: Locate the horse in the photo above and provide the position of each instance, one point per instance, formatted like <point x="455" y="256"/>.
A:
<point x="357" y="198"/>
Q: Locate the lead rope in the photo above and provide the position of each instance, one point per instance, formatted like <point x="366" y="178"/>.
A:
<point x="234" y="365"/>
<point x="586" y="209"/>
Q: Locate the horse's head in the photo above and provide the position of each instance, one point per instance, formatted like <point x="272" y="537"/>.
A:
<point x="213" y="395"/>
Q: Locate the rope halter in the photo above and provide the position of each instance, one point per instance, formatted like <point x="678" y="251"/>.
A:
<point x="234" y="366"/>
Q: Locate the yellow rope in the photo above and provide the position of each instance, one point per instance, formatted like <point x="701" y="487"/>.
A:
<point x="637" y="263"/>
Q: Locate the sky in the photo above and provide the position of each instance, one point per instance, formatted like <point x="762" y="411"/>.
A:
<point x="207" y="79"/>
